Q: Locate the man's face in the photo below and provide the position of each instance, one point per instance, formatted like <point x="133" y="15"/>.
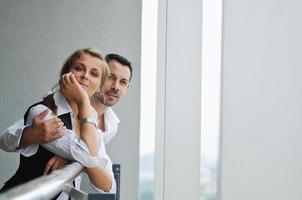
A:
<point x="117" y="84"/>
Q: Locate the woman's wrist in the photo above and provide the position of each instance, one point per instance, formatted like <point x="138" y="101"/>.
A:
<point x="88" y="120"/>
<point x="83" y="102"/>
<point x="84" y="109"/>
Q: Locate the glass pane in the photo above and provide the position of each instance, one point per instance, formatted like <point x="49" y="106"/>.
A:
<point x="148" y="96"/>
<point x="210" y="99"/>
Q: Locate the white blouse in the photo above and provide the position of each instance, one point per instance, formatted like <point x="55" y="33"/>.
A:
<point x="70" y="146"/>
<point x="10" y="139"/>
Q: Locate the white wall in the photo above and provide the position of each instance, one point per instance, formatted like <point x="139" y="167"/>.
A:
<point x="261" y="100"/>
<point x="177" y="156"/>
<point x="36" y="36"/>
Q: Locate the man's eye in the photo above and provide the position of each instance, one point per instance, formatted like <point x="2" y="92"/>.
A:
<point x="124" y="82"/>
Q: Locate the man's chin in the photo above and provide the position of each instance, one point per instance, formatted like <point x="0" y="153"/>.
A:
<point x="109" y="103"/>
<point x="100" y="98"/>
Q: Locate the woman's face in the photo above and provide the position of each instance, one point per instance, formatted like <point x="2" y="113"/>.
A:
<point x="88" y="72"/>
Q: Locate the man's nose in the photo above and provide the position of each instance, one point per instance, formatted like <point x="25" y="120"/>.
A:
<point x="115" y="86"/>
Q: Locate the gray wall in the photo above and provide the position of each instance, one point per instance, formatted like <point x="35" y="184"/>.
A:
<point x="261" y="100"/>
<point x="35" y="38"/>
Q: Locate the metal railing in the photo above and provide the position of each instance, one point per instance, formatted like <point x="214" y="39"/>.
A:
<point x="47" y="187"/>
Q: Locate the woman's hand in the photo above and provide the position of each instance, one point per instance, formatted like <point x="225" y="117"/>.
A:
<point x="72" y="90"/>
<point x="54" y="163"/>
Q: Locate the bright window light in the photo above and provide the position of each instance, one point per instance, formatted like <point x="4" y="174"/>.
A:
<point x="210" y="98"/>
<point x="148" y="97"/>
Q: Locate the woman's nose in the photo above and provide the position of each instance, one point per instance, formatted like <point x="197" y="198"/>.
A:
<point x="84" y="75"/>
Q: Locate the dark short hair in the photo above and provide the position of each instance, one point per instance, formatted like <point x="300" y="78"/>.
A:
<point x="122" y="60"/>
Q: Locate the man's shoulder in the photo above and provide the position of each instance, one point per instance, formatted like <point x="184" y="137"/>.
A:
<point x="111" y="116"/>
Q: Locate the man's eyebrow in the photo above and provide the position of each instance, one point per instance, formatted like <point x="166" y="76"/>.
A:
<point x="124" y="79"/>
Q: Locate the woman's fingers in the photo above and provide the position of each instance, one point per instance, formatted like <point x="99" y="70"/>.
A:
<point x="73" y="79"/>
<point x="65" y="81"/>
<point x="69" y="80"/>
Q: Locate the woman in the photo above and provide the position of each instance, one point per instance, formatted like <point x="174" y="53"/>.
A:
<point x="82" y="75"/>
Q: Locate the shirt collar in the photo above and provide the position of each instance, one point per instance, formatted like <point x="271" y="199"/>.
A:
<point x="61" y="102"/>
<point x="111" y="117"/>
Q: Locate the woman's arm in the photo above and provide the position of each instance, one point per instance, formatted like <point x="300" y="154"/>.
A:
<point x="97" y="175"/>
<point x="72" y="147"/>
<point x="88" y="131"/>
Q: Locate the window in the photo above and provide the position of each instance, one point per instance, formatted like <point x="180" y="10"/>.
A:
<point x="148" y="97"/>
<point x="210" y="98"/>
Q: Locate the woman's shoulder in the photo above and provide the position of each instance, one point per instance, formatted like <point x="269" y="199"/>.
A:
<point x="38" y="108"/>
<point x="35" y="110"/>
<point x="44" y="103"/>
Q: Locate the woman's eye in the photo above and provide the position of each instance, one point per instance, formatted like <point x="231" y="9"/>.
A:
<point x="78" y="68"/>
<point x="94" y="74"/>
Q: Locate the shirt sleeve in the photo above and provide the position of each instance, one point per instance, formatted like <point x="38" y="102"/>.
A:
<point x="107" y="168"/>
<point x="10" y="139"/>
<point x="70" y="146"/>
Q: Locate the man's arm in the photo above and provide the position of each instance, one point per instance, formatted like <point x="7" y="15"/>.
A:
<point x="41" y="132"/>
<point x="19" y="136"/>
<point x="10" y="139"/>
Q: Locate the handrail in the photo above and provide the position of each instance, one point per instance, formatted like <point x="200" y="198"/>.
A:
<point x="45" y="187"/>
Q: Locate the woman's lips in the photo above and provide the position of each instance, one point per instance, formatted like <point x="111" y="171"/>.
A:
<point x="83" y="84"/>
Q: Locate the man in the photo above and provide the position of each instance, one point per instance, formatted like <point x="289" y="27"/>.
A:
<point x="19" y="137"/>
<point x="113" y="89"/>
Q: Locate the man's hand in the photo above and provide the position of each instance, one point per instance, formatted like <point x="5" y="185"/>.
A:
<point x="54" y="163"/>
<point x="42" y="132"/>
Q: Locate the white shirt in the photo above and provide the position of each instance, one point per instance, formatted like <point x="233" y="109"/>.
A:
<point x="10" y="139"/>
<point x="69" y="146"/>
<point x="111" y="125"/>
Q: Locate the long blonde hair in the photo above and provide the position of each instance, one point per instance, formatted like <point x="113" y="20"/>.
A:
<point x="70" y="60"/>
<point x="49" y="101"/>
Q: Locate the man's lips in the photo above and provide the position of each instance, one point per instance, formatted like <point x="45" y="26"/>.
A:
<point x="112" y="94"/>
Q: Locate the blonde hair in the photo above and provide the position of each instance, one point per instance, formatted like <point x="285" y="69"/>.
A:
<point x="90" y="51"/>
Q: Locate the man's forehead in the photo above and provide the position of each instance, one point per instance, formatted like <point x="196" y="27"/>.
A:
<point x="119" y="70"/>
